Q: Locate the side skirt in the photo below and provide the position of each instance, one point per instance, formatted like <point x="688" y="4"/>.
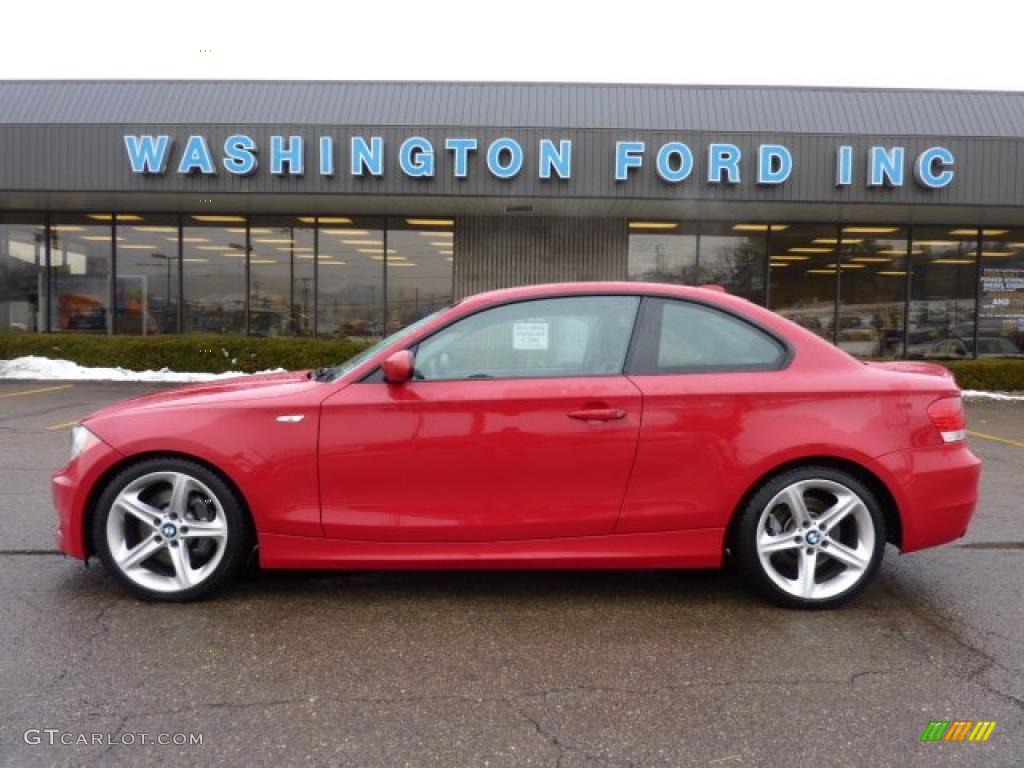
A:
<point x="700" y="548"/>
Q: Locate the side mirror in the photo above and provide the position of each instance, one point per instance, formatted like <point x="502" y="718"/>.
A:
<point x="398" y="367"/>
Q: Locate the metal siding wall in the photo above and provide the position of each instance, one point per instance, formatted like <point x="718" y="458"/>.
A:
<point x="499" y="252"/>
<point x="647" y="107"/>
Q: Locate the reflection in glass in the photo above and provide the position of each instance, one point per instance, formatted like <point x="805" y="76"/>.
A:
<point x="281" y="277"/>
<point x="22" y="268"/>
<point x="1001" y="314"/>
<point x="214" y="274"/>
<point x="664" y="255"/>
<point x="803" y="274"/>
<point x="351" y="278"/>
<point x="872" y="290"/>
<point x="80" y="273"/>
<point x="146" y="288"/>
<point x="420" y="253"/>
<point x="732" y="256"/>
<point x="943" y="281"/>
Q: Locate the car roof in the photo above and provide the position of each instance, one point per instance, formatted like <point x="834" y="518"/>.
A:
<point x="595" y="286"/>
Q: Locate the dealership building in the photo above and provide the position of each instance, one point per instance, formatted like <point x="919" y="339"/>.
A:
<point x="890" y="222"/>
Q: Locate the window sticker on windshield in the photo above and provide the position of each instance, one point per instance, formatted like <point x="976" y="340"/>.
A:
<point x="531" y="334"/>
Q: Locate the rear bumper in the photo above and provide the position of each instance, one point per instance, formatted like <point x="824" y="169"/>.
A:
<point x="936" y="490"/>
<point x="72" y="486"/>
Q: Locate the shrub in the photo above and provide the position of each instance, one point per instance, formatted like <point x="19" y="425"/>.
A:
<point x="216" y="353"/>
<point x="208" y="353"/>
<point x="994" y="375"/>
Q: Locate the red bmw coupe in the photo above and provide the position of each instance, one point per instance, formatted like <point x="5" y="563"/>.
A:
<point x="584" y="425"/>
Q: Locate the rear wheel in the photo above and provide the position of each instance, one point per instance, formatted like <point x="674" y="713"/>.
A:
<point x="170" y="529"/>
<point x="811" y="537"/>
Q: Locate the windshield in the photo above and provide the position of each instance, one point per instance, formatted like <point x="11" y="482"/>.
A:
<point x="335" y="372"/>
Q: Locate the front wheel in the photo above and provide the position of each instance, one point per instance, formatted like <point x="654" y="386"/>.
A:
<point x="170" y="529"/>
<point x="810" y="538"/>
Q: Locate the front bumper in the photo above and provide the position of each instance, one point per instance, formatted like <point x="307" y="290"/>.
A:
<point x="936" y="490"/>
<point x="72" y="488"/>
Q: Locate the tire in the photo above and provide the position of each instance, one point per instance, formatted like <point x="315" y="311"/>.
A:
<point x="811" y="537"/>
<point x="171" y="530"/>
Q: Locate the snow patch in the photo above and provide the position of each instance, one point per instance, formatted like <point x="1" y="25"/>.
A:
<point x="977" y="394"/>
<point x="33" y="367"/>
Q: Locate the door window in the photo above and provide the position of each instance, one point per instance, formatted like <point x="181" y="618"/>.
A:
<point x="684" y="337"/>
<point x="572" y="336"/>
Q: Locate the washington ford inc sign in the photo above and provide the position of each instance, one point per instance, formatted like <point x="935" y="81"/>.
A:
<point x="504" y="158"/>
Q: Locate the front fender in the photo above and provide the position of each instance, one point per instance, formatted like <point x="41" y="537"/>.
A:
<point x="272" y="463"/>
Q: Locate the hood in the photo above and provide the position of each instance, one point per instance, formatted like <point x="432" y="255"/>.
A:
<point x="262" y="386"/>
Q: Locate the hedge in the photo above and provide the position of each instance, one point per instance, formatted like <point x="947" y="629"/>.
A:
<point x="218" y="353"/>
<point x="194" y="353"/>
<point x="993" y="375"/>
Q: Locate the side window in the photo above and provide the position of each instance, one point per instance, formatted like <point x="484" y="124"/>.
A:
<point x="573" y="336"/>
<point x="683" y="337"/>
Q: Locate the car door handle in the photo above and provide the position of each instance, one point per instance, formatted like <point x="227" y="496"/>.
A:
<point x="598" y="414"/>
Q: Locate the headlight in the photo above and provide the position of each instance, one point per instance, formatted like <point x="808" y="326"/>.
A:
<point x="81" y="441"/>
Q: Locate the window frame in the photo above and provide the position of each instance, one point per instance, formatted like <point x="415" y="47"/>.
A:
<point x="377" y="374"/>
<point x="643" y="346"/>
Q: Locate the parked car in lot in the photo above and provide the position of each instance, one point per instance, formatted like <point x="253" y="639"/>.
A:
<point x="590" y="425"/>
<point x="995" y="346"/>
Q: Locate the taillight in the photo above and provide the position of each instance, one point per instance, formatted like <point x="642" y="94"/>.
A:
<point x="947" y="416"/>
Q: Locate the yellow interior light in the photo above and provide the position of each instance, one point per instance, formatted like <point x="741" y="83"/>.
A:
<point x="653" y="224"/>
<point x="430" y="222"/>
<point x="214" y="218"/>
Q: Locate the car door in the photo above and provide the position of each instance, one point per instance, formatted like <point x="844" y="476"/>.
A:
<point x="518" y="424"/>
<point x="707" y="378"/>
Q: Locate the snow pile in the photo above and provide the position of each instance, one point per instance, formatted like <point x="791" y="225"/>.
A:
<point x="977" y="394"/>
<point x="64" y="370"/>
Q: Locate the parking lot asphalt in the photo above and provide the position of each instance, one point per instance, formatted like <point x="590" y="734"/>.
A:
<point x="633" y="668"/>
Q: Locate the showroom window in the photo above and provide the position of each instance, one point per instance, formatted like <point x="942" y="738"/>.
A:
<point x="943" y="282"/>
<point x="577" y="336"/>
<point x="733" y="255"/>
<point x="147" y="275"/>
<point x="872" y="290"/>
<point x="1001" y="314"/>
<point x="80" y="261"/>
<point x="418" y="257"/>
<point x="804" y="274"/>
<point x="22" y="273"/>
<point x="350" y="277"/>
<point x="728" y="254"/>
<point x="663" y="252"/>
<point x="213" y="273"/>
<point x="282" y="255"/>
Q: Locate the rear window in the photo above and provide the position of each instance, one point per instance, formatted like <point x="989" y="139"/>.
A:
<point x="684" y="337"/>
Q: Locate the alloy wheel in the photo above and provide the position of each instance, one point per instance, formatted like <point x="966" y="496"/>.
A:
<point x="815" y="539"/>
<point x="167" y="531"/>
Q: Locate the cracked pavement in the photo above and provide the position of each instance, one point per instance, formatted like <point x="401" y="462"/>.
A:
<point x="632" y="668"/>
